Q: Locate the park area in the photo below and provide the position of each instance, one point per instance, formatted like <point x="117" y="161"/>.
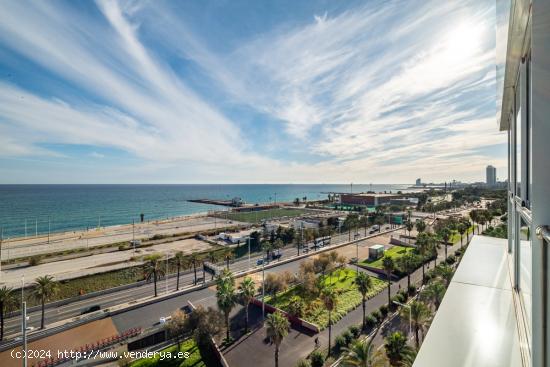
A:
<point x="395" y="252"/>
<point x="307" y="305"/>
<point x="260" y="215"/>
<point x="168" y="357"/>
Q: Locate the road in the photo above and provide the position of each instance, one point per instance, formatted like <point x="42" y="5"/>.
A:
<point x="54" y="314"/>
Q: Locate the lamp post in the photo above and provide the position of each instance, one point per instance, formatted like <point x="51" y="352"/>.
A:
<point x="263" y="290"/>
<point x="248" y="242"/>
<point x="24" y="327"/>
<point x="410" y="314"/>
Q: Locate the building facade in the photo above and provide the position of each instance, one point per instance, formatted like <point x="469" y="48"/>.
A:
<point x="491" y="176"/>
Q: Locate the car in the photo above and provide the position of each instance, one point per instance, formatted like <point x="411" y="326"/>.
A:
<point x="353" y="260"/>
<point x="164" y="319"/>
<point x="371" y="231"/>
<point x="305" y="250"/>
<point x="93" y="308"/>
<point x="260" y="262"/>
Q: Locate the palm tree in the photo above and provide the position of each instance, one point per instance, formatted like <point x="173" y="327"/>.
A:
<point x="153" y="269"/>
<point x="194" y="260"/>
<point x="364" y="222"/>
<point x="44" y="288"/>
<point x="397" y="349"/>
<point x="179" y="262"/>
<point x="388" y="265"/>
<point x="276" y="329"/>
<point x="247" y="289"/>
<point x="267" y="247"/>
<point x="362" y="353"/>
<point x="7" y="302"/>
<point x="420" y="225"/>
<point x="435" y="292"/>
<point x="409" y="226"/>
<point x="461" y="229"/>
<point x="364" y="284"/>
<point x="474" y="217"/>
<point x="423" y="247"/>
<point x="330" y="299"/>
<point x="228" y="255"/>
<point x="407" y="264"/>
<point x="225" y="293"/>
<point x="445" y="234"/>
<point x="445" y="272"/>
<point x="420" y="317"/>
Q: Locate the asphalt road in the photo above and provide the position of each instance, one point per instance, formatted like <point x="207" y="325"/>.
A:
<point x="54" y="314"/>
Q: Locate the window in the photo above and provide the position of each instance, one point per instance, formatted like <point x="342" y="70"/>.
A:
<point x="525" y="260"/>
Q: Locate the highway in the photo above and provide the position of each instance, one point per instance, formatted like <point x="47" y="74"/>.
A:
<point x="54" y="314"/>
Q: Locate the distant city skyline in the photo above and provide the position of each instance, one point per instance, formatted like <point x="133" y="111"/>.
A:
<point x="284" y="92"/>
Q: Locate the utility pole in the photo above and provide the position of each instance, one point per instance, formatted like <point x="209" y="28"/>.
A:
<point x="24" y="327"/>
<point x="166" y="273"/>
<point x="263" y="290"/>
<point x="248" y="241"/>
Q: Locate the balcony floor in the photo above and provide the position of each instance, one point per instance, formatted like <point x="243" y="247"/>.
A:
<point x="476" y="323"/>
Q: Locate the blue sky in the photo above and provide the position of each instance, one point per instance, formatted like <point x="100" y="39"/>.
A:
<point x="248" y="91"/>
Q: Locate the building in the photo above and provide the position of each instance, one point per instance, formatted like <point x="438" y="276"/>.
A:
<point x="363" y="199"/>
<point x="491" y="176"/>
<point x="496" y="311"/>
<point x="376" y="252"/>
<point x="307" y="223"/>
<point x="418" y="182"/>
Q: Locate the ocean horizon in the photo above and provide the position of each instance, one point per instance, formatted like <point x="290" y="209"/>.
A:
<point x="29" y="209"/>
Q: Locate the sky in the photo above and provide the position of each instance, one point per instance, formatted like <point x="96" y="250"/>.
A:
<point x="234" y="91"/>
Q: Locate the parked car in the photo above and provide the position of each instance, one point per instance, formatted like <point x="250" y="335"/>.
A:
<point x="93" y="308"/>
<point x="259" y="261"/>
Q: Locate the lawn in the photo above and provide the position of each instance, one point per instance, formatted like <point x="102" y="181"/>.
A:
<point x="455" y="236"/>
<point x="348" y="299"/>
<point x="195" y="358"/>
<point x="395" y="253"/>
<point x="258" y="216"/>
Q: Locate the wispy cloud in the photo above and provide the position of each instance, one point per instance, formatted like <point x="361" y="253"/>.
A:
<point x="381" y="92"/>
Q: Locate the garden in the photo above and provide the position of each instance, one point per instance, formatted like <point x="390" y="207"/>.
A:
<point x="259" y="215"/>
<point x="395" y="252"/>
<point x="168" y="357"/>
<point x="303" y="301"/>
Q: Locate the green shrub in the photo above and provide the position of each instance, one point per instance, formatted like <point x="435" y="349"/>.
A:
<point x="451" y="259"/>
<point x="122" y="247"/>
<point x="377" y="315"/>
<point x="412" y="290"/>
<point x="384" y="310"/>
<point x="303" y="363"/>
<point x="348" y="336"/>
<point x="355" y="331"/>
<point x="371" y="320"/>
<point x="339" y="343"/>
<point x="35" y="260"/>
<point x="317" y="358"/>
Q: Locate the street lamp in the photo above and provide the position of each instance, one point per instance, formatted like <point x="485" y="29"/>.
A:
<point x="248" y="242"/>
<point x="410" y="314"/>
<point x="263" y="290"/>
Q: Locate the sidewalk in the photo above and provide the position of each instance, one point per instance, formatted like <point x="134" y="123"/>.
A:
<point x="256" y="352"/>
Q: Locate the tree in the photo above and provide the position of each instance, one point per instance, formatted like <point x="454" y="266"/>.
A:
<point x="267" y="247"/>
<point x="177" y="327"/>
<point x="297" y="201"/>
<point x="407" y="264"/>
<point x="445" y="272"/>
<point x="420" y="318"/>
<point x="434" y="293"/>
<point x="364" y="284"/>
<point x="330" y="300"/>
<point x="461" y="229"/>
<point x="194" y="260"/>
<point x="7" y="303"/>
<point x="44" y="288"/>
<point x="362" y="353"/>
<point x="364" y="222"/>
<point x="228" y="255"/>
<point x="153" y="269"/>
<point x="179" y="262"/>
<point x="276" y="329"/>
<point x="397" y="349"/>
<point x="225" y="294"/>
<point x="474" y="217"/>
<point x="420" y="225"/>
<point x="444" y="233"/>
<point x="423" y="244"/>
<point x="205" y="323"/>
<point x="409" y="226"/>
<point x="247" y="289"/>
<point x="388" y="265"/>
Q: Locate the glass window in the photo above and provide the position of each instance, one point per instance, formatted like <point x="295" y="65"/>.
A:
<point x="518" y="151"/>
<point x="525" y="261"/>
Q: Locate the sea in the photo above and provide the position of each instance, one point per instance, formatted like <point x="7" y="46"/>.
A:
<point x="27" y="210"/>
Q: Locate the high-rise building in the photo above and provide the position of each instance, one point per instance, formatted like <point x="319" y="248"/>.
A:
<point x="491" y="175"/>
<point x="496" y="311"/>
<point x="418" y="182"/>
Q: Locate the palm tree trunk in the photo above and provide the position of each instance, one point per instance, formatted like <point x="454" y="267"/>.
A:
<point x="227" y="325"/>
<point x="246" y="319"/>
<point x="416" y="337"/>
<point x="329" y="331"/>
<point x="445" y="244"/>
<point x="178" y="279"/>
<point x="2" y="321"/>
<point x="364" y="312"/>
<point x="42" y="318"/>
<point x="276" y="355"/>
<point x="423" y="276"/>
<point x="408" y="281"/>
<point x="195" y="272"/>
<point x="389" y="292"/>
<point x="155" y="281"/>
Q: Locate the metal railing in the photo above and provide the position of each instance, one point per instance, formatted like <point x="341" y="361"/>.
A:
<point x="543" y="234"/>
